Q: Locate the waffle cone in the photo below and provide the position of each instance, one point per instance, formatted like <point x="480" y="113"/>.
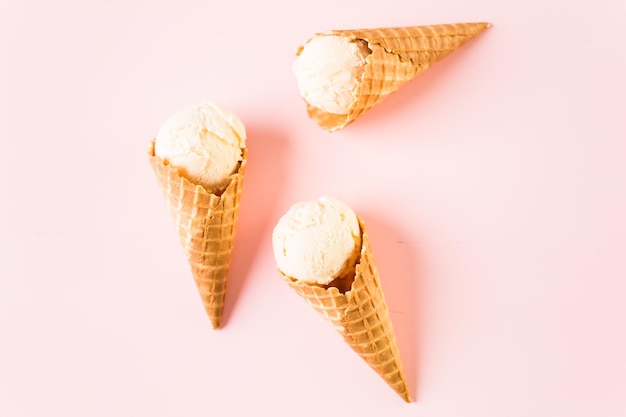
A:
<point x="361" y="316"/>
<point x="398" y="55"/>
<point x="206" y="226"/>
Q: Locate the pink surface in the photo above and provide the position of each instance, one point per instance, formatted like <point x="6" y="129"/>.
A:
<point x="493" y="187"/>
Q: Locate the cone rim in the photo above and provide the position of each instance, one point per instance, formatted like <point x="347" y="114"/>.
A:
<point x="199" y="187"/>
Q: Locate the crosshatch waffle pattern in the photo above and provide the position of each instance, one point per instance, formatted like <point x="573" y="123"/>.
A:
<point x="398" y="55"/>
<point x="206" y="225"/>
<point x="361" y="316"/>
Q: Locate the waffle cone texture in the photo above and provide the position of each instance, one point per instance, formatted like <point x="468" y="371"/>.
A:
<point x="361" y="316"/>
<point x="398" y="55"/>
<point x="206" y="225"/>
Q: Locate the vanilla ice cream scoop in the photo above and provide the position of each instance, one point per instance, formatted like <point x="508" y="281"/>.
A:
<point x="204" y="142"/>
<point x="317" y="241"/>
<point x="328" y="71"/>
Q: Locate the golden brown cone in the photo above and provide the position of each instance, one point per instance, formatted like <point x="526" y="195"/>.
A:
<point x="206" y="226"/>
<point x="361" y="316"/>
<point x="398" y="55"/>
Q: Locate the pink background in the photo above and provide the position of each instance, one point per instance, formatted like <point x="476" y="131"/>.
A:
<point x="493" y="187"/>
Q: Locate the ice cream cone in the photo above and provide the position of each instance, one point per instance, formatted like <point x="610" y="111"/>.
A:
<point x="398" y="55"/>
<point x="361" y="316"/>
<point x="206" y="226"/>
